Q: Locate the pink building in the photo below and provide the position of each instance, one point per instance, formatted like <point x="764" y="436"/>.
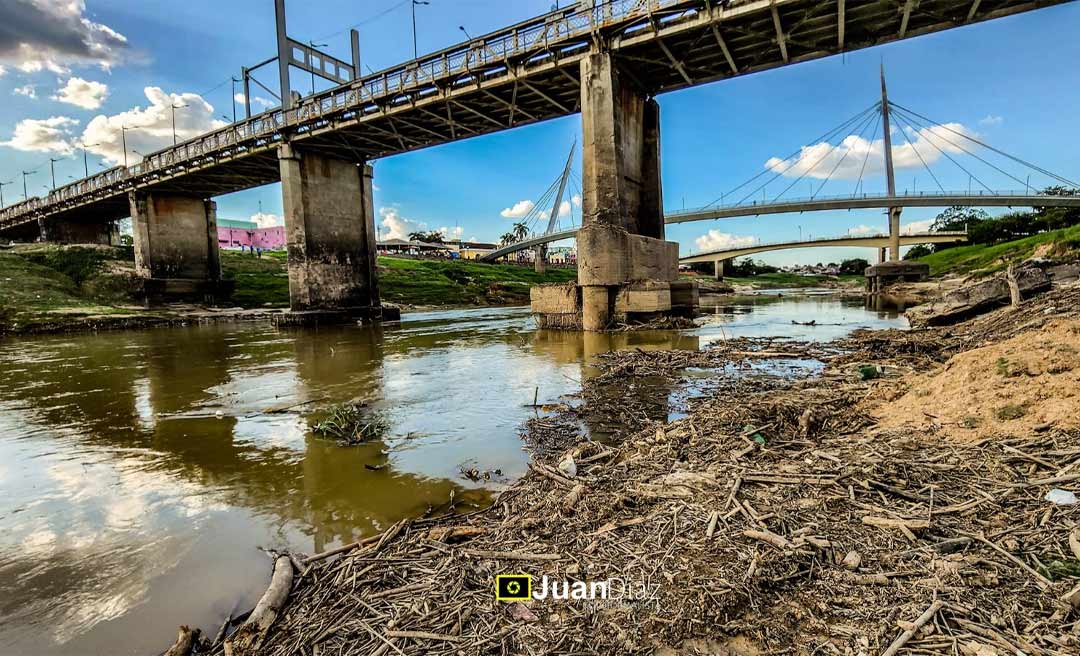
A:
<point x="246" y="235"/>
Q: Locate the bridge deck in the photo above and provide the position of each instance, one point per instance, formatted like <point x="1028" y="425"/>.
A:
<point x="866" y="241"/>
<point x="522" y="74"/>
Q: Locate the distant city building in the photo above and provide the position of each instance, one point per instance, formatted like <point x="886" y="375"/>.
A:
<point x="247" y="235"/>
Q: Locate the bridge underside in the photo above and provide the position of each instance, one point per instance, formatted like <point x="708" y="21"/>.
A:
<point x="675" y="45"/>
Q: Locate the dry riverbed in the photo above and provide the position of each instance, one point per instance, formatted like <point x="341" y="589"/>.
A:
<point x="781" y="515"/>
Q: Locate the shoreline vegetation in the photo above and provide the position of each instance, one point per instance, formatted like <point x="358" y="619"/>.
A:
<point x="797" y="514"/>
<point x="47" y="288"/>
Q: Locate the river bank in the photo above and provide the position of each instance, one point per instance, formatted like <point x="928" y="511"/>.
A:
<point x="47" y="288"/>
<point x="856" y="510"/>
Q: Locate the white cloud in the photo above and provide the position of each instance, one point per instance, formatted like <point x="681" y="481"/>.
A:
<point x="55" y="34"/>
<point x="819" y="160"/>
<point x="917" y="226"/>
<point x="149" y="128"/>
<point x="28" y="90"/>
<point x="576" y="200"/>
<point x="257" y="102"/>
<point x="863" y="231"/>
<point x="715" y="240"/>
<point x="452" y="233"/>
<point x="48" y="135"/>
<point x="398" y="227"/>
<point x="520" y="210"/>
<point x="265" y="220"/>
<point x="2" y="71"/>
<point x="82" y="93"/>
<point x="990" y="120"/>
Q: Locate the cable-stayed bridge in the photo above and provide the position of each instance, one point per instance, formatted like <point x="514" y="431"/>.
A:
<point x="821" y="161"/>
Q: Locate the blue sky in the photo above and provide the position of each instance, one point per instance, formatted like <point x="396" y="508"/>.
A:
<point x="1012" y="81"/>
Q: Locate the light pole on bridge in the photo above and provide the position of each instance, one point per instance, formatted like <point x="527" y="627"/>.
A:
<point x="85" y="162"/>
<point x="52" y="169"/>
<point x="415" y="52"/>
<point x="2" y="185"/>
<point x="26" y="196"/>
<point x="175" y="107"/>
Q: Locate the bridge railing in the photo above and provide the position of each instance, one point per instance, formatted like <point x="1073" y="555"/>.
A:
<point x="537" y="36"/>
<point x="1010" y="193"/>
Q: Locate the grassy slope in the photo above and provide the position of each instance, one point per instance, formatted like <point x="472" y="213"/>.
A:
<point x="35" y="283"/>
<point x="989" y="259"/>
<point x="263" y="281"/>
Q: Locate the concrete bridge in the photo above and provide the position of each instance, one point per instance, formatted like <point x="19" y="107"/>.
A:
<point x="607" y="60"/>
<point x="879" y="241"/>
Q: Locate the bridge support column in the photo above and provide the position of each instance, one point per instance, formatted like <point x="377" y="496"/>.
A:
<point x="330" y="230"/>
<point x="176" y="245"/>
<point x="539" y="253"/>
<point x="718" y="269"/>
<point x="882" y="255"/>
<point x="894" y="234"/>
<point x="625" y="268"/>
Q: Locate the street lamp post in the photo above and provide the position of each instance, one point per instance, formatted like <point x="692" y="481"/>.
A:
<point x="123" y="143"/>
<point x="175" y="107"/>
<point x="2" y="185"/>
<point x="25" y="195"/>
<point x="85" y="163"/>
<point x="234" y="81"/>
<point x="323" y="45"/>
<point x="467" y="35"/>
<point x="415" y="52"/>
<point x="52" y="170"/>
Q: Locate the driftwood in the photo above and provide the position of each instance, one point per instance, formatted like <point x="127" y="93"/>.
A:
<point x="249" y="636"/>
<point x="184" y="642"/>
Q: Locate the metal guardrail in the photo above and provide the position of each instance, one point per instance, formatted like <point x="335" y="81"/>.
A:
<point x="541" y="34"/>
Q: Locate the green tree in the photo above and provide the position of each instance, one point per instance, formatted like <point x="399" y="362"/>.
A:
<point x="856" y="265"/>
<point x="917" y="251"/>
<point x="520" y="231"/>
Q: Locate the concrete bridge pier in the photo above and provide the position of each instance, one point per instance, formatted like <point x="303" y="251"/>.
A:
<point x="625" y="268"/>
<point x="176" y="249"/>
<point x="330" y="234"/>
<point x="75" y="232"/>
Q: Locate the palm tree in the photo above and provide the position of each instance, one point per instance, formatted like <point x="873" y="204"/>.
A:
<point x="520" y="231"/>
<point x="506" y="239"/>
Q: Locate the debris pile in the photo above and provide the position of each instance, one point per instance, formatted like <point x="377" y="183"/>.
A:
<point x="778" y="516"/>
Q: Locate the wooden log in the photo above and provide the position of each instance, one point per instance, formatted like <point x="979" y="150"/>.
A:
<point x="184" y="642"/>
<point x="903" y="638"/>
<point x="249" y="636"/>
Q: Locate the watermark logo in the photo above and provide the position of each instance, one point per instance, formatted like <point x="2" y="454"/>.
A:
<point x="513" y="587"/>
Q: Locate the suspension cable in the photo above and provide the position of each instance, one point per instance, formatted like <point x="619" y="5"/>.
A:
<point x="863" y="124"/>
<point x="951" y="159"/>
<point x="900" y="118"/>
<point x="1035" y="167"/>
<point x="862" y="169"/>
<point x="872" y="120"/>
<point x="765" y="171"/>
<point x="968" y="152"/>
<point x="794" y="158"/>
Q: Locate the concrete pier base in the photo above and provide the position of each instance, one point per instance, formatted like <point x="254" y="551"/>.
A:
<point x="330" y="232"/>
<point x="880" y="276"/>
<point x="176" y="250"/>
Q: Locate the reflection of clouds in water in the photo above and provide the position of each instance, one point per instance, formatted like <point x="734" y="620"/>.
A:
<point x="111" y="526"/>
<point x="286" y="432"/>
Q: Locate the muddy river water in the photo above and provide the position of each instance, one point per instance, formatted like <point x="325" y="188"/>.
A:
<point x="141" y="472"/>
